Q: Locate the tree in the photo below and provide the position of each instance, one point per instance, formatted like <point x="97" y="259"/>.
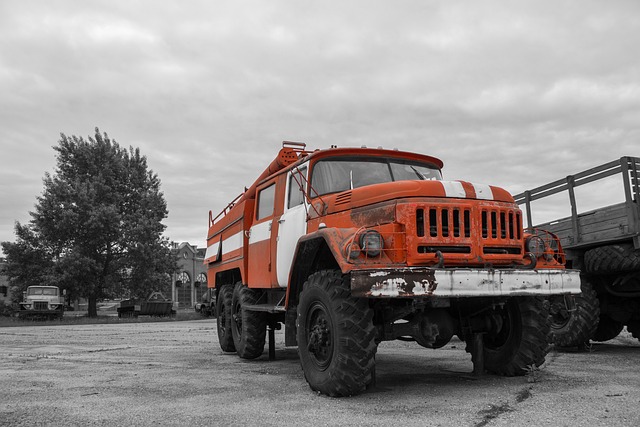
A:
<point x="97" y="227"/>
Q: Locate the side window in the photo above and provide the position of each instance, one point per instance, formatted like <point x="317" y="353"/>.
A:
<point x="266" y="201"/>
<point x="296" y="180"/>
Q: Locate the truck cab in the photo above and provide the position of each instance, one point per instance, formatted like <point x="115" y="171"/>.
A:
<point x="42" y="301"/>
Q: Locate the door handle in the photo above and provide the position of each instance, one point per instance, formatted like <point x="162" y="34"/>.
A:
<point x="280" y="221"/>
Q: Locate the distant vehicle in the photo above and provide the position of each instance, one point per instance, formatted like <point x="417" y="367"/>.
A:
<point x="42" y="301"/>
<point x="349" y="247"/>
<point x="605" y="245"/>
<point x="156" y="305"/>
<point x="207" y="307"/>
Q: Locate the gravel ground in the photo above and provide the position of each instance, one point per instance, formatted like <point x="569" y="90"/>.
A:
<point x="174" y="373"/>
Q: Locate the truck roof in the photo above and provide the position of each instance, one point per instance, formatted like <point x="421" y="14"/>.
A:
<point x="357" y="151"/>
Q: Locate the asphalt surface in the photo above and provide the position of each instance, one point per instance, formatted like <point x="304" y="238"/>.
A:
<point x="174" y="373"/>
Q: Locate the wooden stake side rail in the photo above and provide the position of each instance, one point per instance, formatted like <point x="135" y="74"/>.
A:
<point x="609" y="224"/>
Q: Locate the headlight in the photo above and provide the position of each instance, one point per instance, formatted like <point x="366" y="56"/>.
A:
<point x="53" y="306"/>
<point x="536" y="246"/>
<point x="371" y="243"/>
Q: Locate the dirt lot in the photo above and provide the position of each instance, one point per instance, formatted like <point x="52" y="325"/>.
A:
<point x="174" y="373"/>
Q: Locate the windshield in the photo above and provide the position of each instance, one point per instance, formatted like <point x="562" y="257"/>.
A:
<point x="334" y="175"/>
<point x="42" y="291"/>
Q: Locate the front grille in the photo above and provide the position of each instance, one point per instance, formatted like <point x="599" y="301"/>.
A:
<point x="443" y="222"/>
<point x="500" y="224"/>
<point x="477" y="233"/>
<point x="40" y="305"/>
<point x="456" y="222"/>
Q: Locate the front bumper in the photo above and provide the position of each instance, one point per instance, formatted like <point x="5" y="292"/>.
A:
<point x="462" y="282"/>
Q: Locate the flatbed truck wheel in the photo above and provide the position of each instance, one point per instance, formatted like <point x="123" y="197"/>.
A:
<point x="607" y="329"/>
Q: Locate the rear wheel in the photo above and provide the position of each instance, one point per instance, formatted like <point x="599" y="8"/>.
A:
<point x="572" y="327"/>
<point x="521" y="341"/>
<point x="612" y="259"/>
<point x="607" y="329"/>
<point x="225" y="336"/>
<point x="336" y="336"/>
<point x="249" y="328"/>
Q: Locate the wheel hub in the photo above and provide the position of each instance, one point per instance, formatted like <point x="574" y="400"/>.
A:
<point x="560" y="311"/>
<point x="319" y="343"/>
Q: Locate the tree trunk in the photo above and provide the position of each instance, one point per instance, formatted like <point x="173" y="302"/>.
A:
<point x="93" y="307"/>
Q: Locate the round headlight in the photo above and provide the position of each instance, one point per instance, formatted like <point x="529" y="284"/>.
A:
<point x="536" y="246"/>
<point x="371" y="243"/>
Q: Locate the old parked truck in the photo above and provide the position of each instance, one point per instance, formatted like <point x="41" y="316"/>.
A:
<point x="156" y="305"/>
<point x="42" y="302"/>
<point x="348" y="247"/>
<point x="605" y="245"/>
<point x="207" y="305"/>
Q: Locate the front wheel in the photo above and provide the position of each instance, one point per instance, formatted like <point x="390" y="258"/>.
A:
<point x="521" y="340"/>
<point x="574" y="324"/>
<point x="336" y="336"/>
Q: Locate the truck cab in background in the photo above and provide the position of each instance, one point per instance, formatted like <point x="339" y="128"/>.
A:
<point x="42" y="302"/>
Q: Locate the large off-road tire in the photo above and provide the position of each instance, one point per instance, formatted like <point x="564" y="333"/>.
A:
<point x="336" y="336"/>
<point x="225" y="337"/>
<point x="612" y="259"/>
<point x="522" y="339"/>
<point x="607" y="329"/>
<point x="575" y="328"/>
<point x="249" y="328"/>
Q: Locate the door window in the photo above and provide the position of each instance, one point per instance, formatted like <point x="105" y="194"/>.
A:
<point x="296" y="187"/>
<point x="266" y="201"/>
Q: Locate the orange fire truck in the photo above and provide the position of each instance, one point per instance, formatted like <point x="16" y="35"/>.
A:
<point x="348" y="247"/>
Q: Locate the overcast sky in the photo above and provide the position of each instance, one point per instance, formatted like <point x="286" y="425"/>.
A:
<point x="508" y="93"/>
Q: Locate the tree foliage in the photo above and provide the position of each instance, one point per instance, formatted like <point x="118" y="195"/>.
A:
<point x="96" y="230"/>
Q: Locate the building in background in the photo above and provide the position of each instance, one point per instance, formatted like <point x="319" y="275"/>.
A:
<point x="5" y="293"/>
<point x="189" y="282"/>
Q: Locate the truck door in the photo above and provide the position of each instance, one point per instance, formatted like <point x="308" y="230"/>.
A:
<point x="259" y="275"/>
<point x="292" y="224"/>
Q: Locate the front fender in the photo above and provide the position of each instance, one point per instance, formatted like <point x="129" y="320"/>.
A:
<point x="322" y="249"/>
<point x="333" y="239"/>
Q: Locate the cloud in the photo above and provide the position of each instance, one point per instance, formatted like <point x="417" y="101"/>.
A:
<point x="511" y="94"/>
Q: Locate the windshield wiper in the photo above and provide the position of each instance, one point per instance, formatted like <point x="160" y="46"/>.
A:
<point x="422" y="178"/>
